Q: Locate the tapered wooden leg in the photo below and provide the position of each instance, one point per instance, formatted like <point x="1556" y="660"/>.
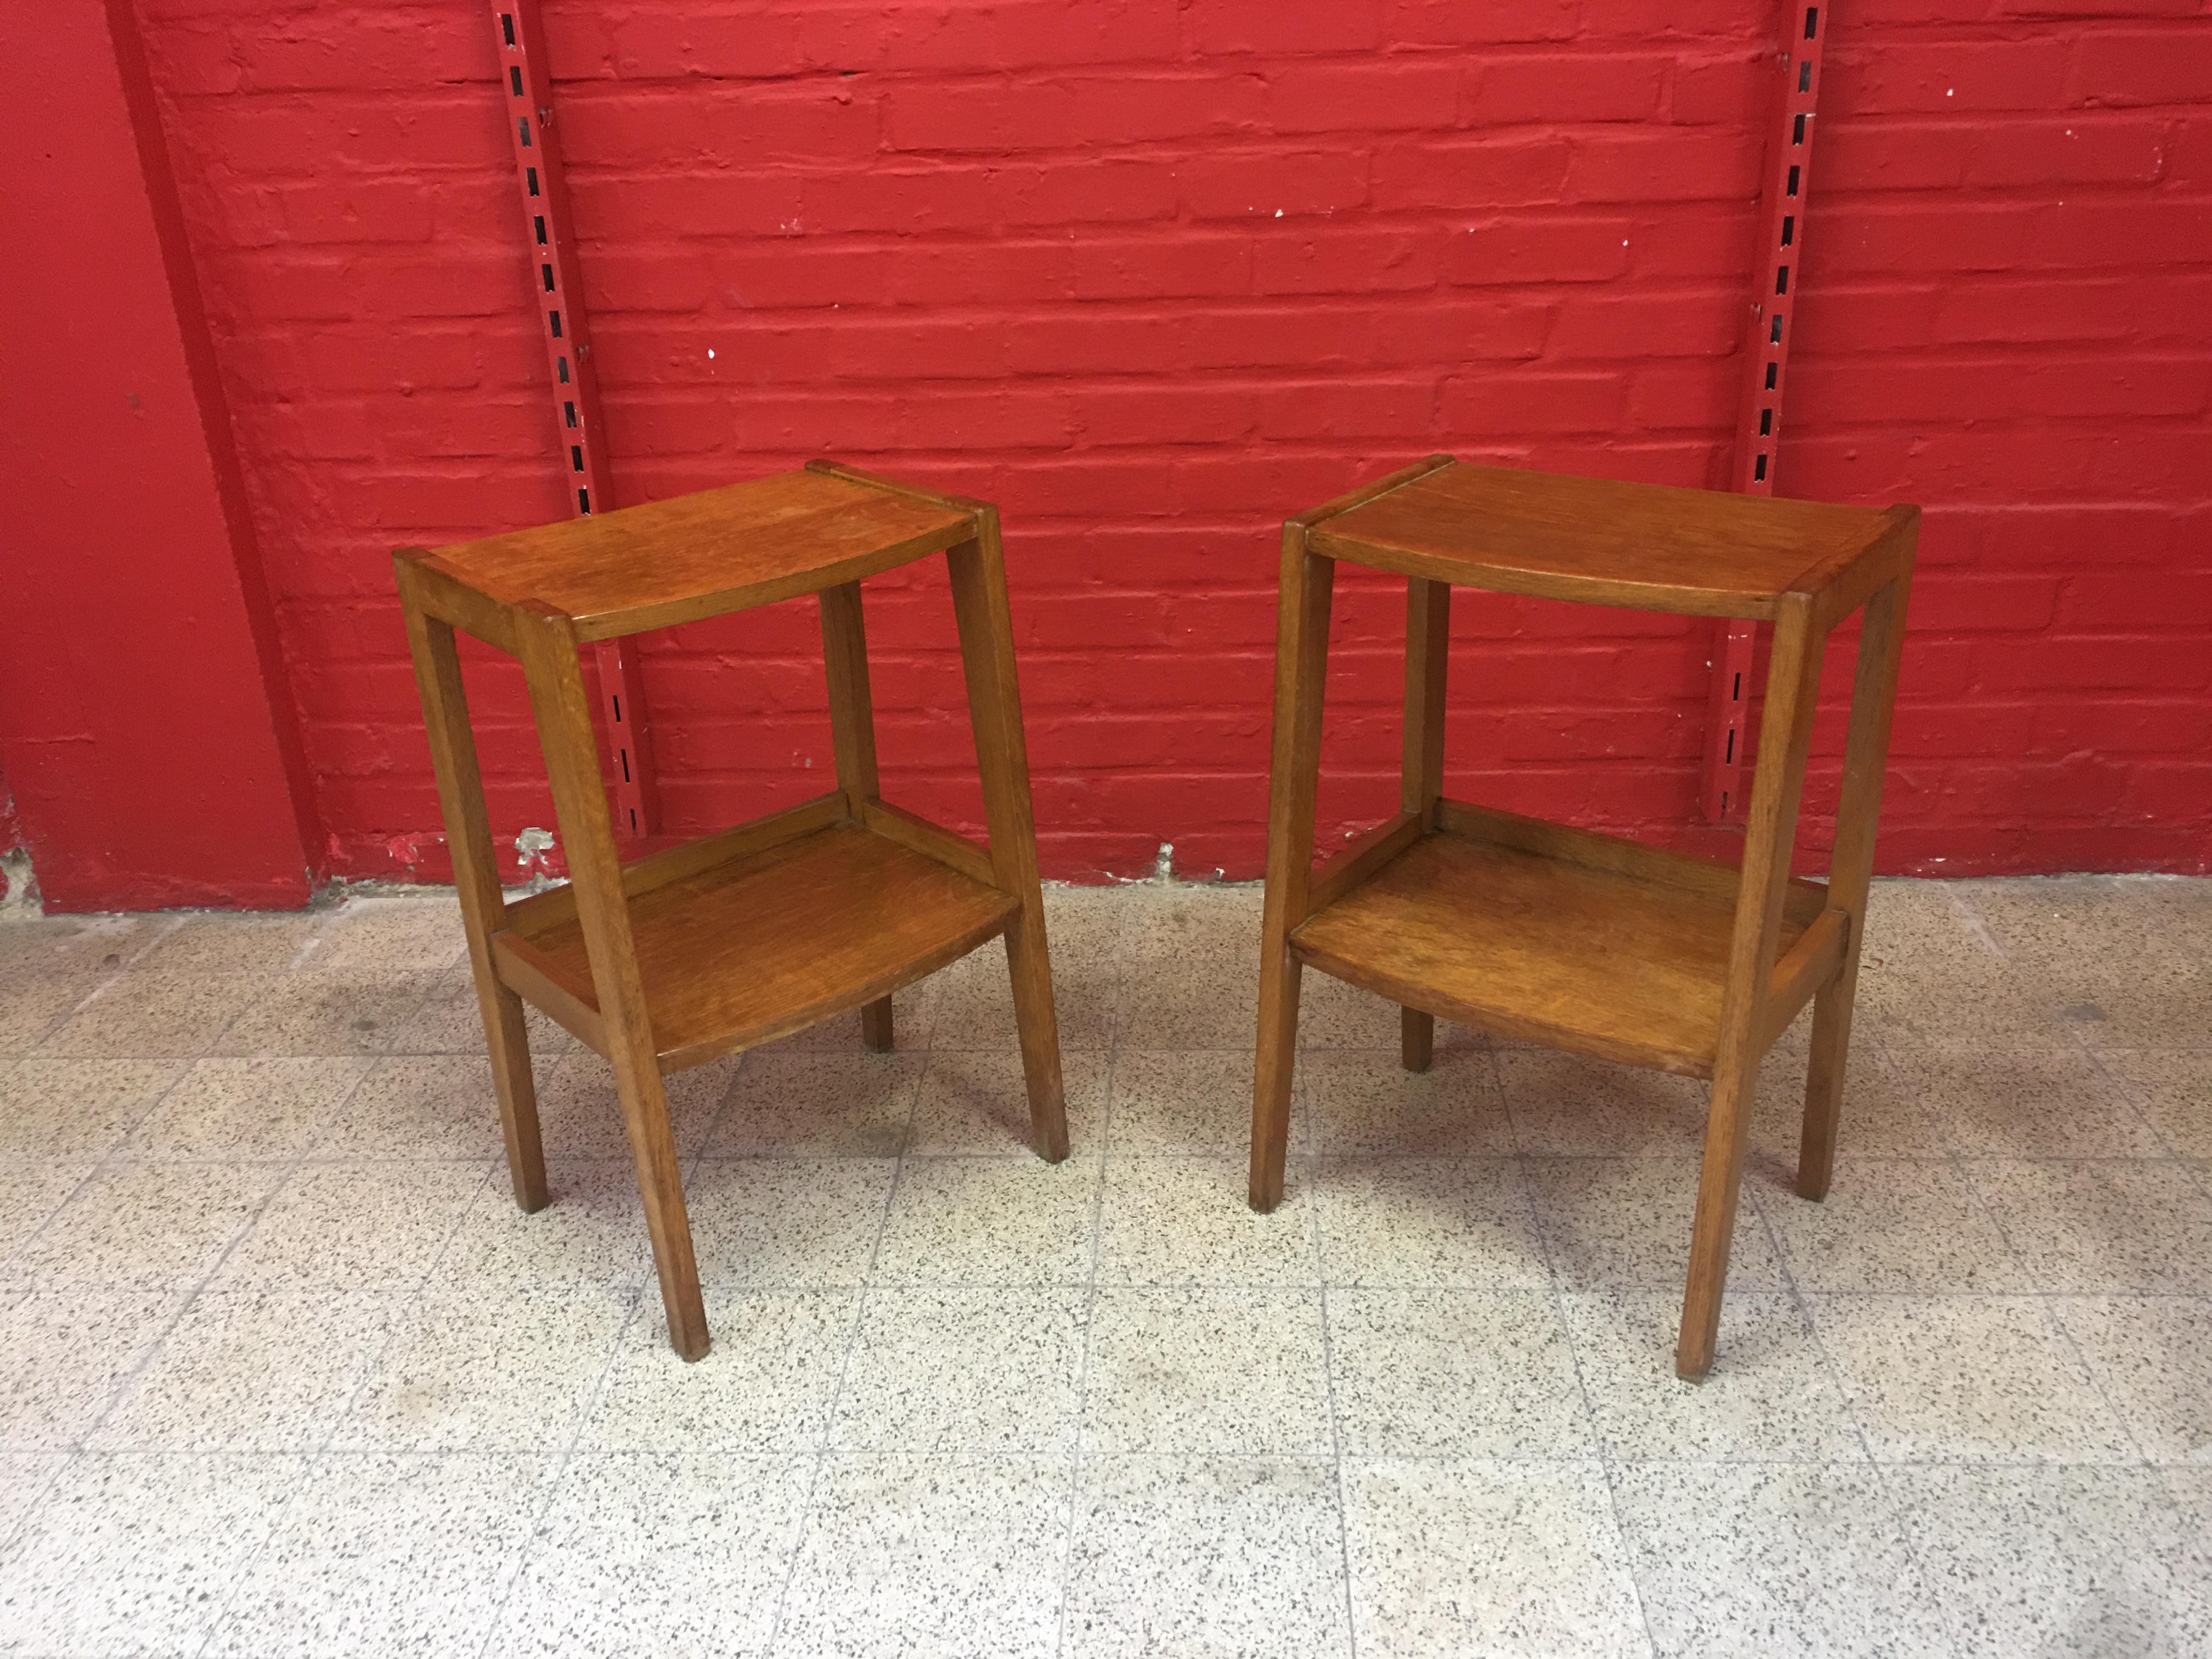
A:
<point x="468" y="838"/>
<point x="1428" y="651"/>
<point x="1850" y="875"/>
<point x="1728" y="1122"/>
<point x="876" y="1025"/>
<point x="986" y="653"/>
<point x="660" y="1183"/>
<point x="1294" y="771"/>
<point x="1417" y="1039"/>
<point x="508" y="1039"/>
<point x="564" y="729"/>
<point x="1274" y="1062"/>
<point x="1793" y="686"/>
<point x="853" y="732"/>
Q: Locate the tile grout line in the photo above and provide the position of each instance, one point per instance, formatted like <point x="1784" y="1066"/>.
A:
<point x="640" y="1297"/>
<point x="191" y="1299"/>
<point x="1335" y="1442"/>
<point x="1884" y="1474"/>
<point x="1105" y="1132"/>
<point x="224" y="1615"/>
<point x="99" y="1164"/>
<point x="115" y="1157"/>
<point x="121" y="1389"/>
<point x="853" y="1337"/>
<point x="2052" y="1324"/>
<point x="1802" y="1303"/>
<point x="1600" y="1447"/>
<point x="551" y="1478"/>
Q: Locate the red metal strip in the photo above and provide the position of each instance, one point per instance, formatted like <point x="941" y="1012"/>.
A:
<point x="528" y="89"/>
<point x="1766" y="360"/>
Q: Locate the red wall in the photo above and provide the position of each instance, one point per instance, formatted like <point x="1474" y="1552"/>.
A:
<point x="147" y="737"/>
<point x="1154" y="273"/>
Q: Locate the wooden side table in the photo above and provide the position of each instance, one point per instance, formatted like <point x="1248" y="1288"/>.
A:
<point x="745" y="936"/>
<point x="1560" y="936"/>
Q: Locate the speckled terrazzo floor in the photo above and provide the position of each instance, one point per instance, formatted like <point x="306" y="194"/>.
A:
<point x="283" y="1370"/>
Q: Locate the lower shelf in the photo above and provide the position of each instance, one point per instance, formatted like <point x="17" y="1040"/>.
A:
<point x="1548" y="947"/>
<point x="761" y="943"/>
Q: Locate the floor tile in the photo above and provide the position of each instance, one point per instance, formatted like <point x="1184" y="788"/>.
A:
<point x="990" y="1221"/>
<point x="1770" y="1395"/>
<point x="1225" y="1372"/>
<point x="1571" y="1105"/>
<point x="155" y="1016"/>
<point x="1185" y="1221"/>
<point x="766" y="1385"/>
<point x="787" y="1221"/>
<point x="936" y="1558"/>
<point x="1771" y="1559"/>
<point x="1178" y="922"/>
<point x="1085" y="924"/>
<point x="1424" y="1221"/>
<point x="63" y="1353"/>
<point x="593" y="1229"/>
<point x="579" y="1112"/>
<point x="1454" y="1374"/>
<point x="680" y="1553"/>
<point x="819" y="1105"/>
<point x="465" y="1370"/>
<point x="2125" y="1225"/>
<point x="1333" y="1014"/>
<point x="974" y="1005"/>
<point x="135" y="1555"/>
<point x="24" y="1477"/>
<point x="1364" y="1105"/>
<point x="1471" y="1557"/>
<point x="450" y="1022"/>
<point x="950" y="1370"/>
<point x="1954" y="1379"/>
<point x="374" y="1225"/>
<point x="1940" y="1008"/>
<point x="1997" y="1103"/>
<point x="251" y="1370"/>
<point x="51" y="1108"/>
<point x="2192" y="1491"/>
<point x="1190" y="1002"/>
<point x="233" y="942"/>
<point x="1185" y="1102"/>
<point x="2172" y="1090"/>
<point x="977" y="1104"/>
<point x="145" y="1226"/>
<point x="38" y="945"/>
<point x="2152" y="1356"/>
<point x="31" y="1190"/>
<point x="327" y="1013"/>
<point x="1894" y="1225"/>
<point x="2154" y="999"/>
<point x="386" y="1555"/>
<point x="1191" y="1555"/>
<point x="407" y="935"/>
<point x="1624" y="1224"/>
<point x="419" y="1106"/>
<point x="2050" y="1560"/>
<point x="2000" y="1301"/>
<point x="247" y="1108"/>
<point x="32" y="1004"/>
<point x="1882" y="1116"/>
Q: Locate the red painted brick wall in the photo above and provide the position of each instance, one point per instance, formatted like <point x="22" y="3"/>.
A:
<point x="1154" y="273"/>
